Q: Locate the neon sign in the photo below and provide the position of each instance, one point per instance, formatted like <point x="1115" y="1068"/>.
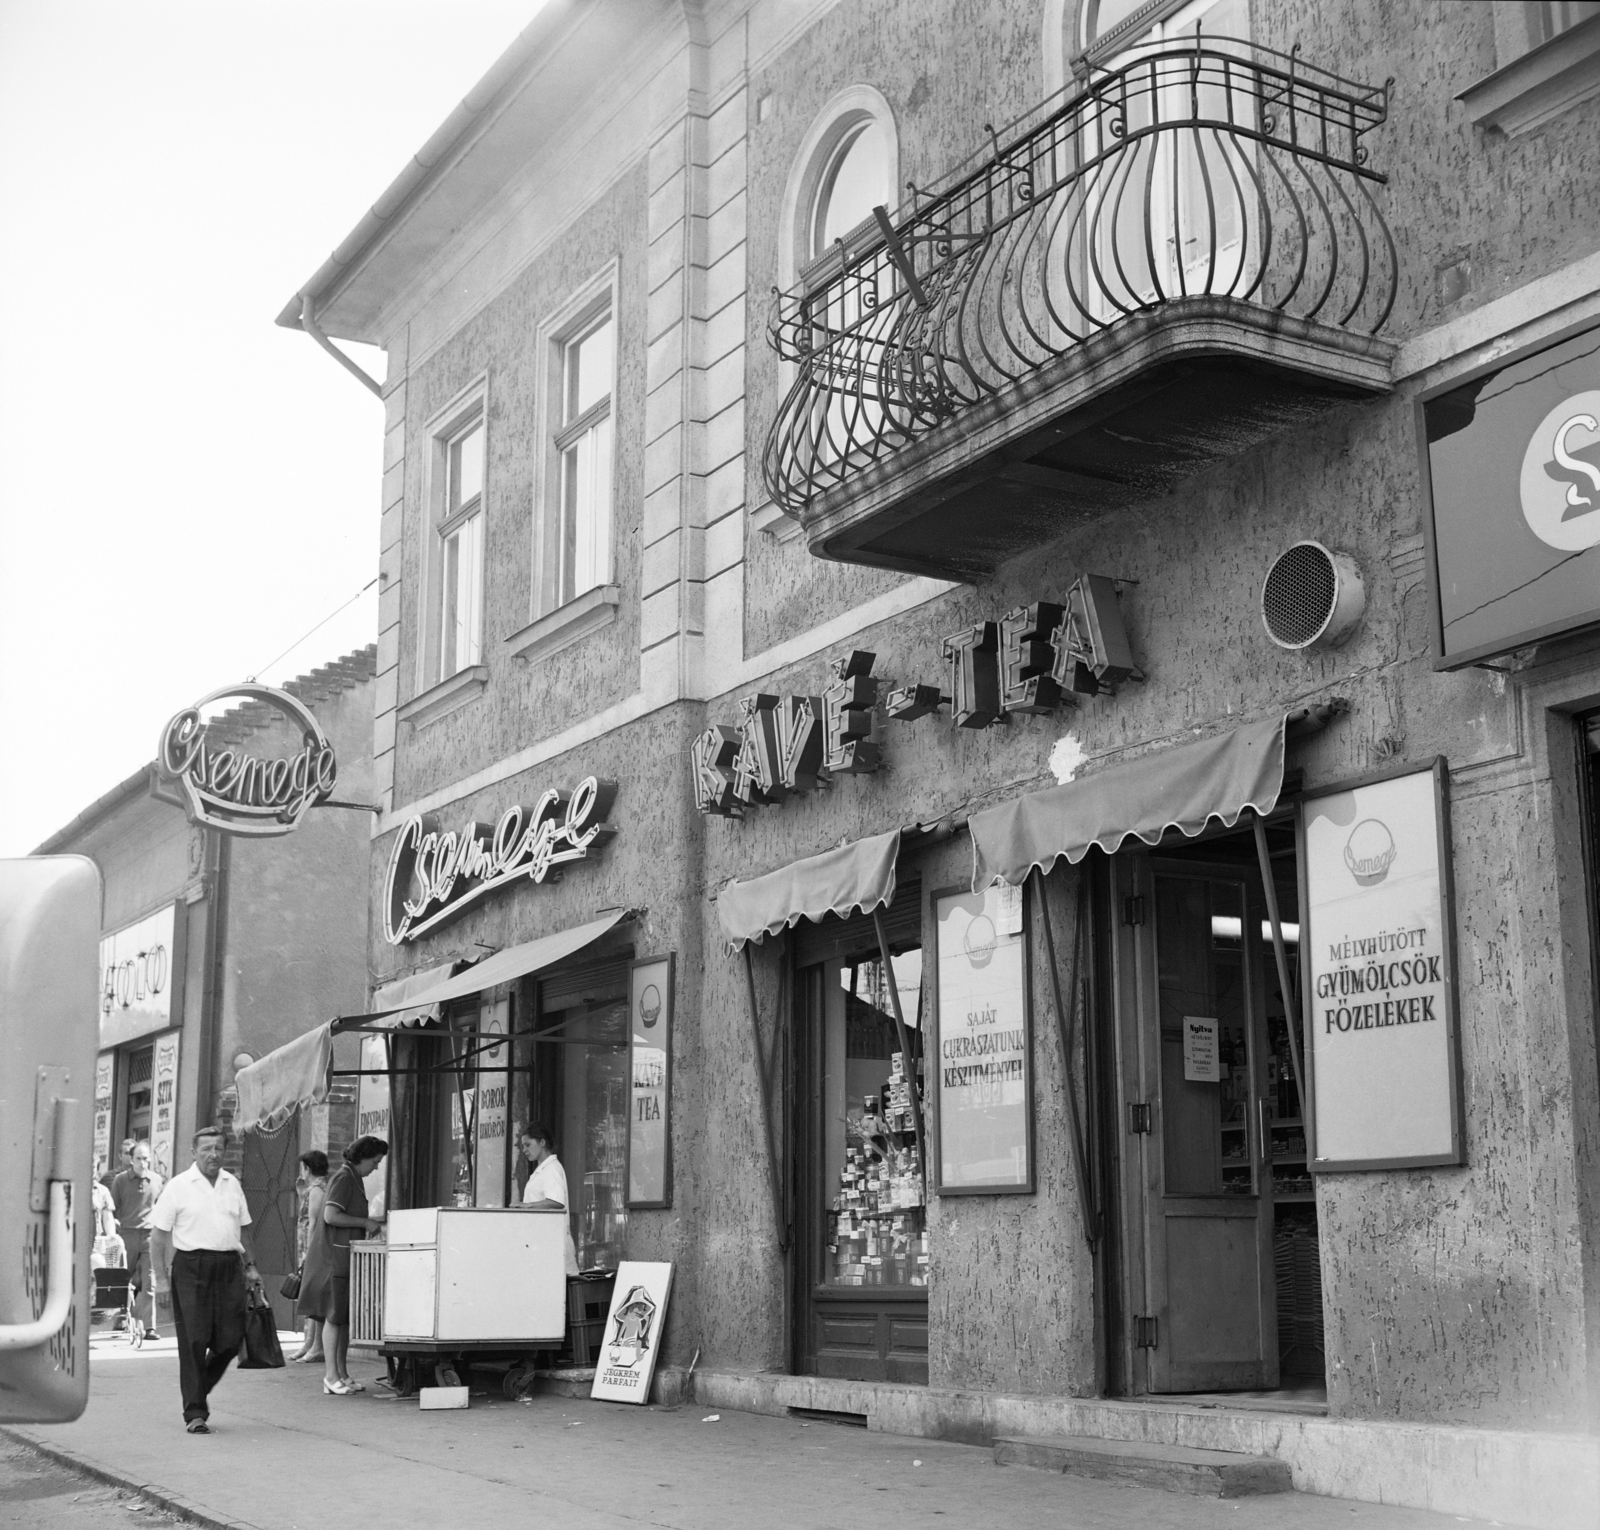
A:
<point x="231" y="790"/>
<point x="434" y="876"/>
<point x="1032" y="660"/>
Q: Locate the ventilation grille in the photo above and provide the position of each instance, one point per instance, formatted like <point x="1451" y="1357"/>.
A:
<point x="1312" y="598"/>
<point x="1299" y="595"/>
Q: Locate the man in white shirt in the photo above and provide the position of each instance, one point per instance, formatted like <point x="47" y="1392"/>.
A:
<point x="198" y="1252"/>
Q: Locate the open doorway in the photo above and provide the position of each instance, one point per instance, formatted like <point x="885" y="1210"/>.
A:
<point x="1222" y="1270"/>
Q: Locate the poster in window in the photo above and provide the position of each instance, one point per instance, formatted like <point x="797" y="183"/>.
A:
<point x="494" y="1103"/>
<point x="650" y="985"/>
<point x="1378" y="944"/>
<point x="164" y="1103"/>
<point x="105" y="1070"/>
<point x="984" y="1083"/>
<point x="372" y="1114"/>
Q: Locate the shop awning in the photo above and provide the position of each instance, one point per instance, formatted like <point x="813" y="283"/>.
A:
<point x="395" y="1006"/>
<point x="296" y="1074"/>
<point x="855" y="876"/>
<point x="1182" y="788"/>
<point x="503" y="967"/>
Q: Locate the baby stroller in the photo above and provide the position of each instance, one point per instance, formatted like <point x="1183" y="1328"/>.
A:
<point x="113" y="1292"/>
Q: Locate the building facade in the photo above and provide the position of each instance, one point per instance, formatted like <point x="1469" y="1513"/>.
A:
<point x="218" y="948"/>
<point x="1001" y="500"/>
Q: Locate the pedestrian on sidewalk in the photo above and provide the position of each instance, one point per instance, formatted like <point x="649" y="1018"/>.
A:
<point x="133" y="1193"/>
<point x="344" y="1214"/>
<point x="311" y="1306"/>
<point x="198" y="1252"/>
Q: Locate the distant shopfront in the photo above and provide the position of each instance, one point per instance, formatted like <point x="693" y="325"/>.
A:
<point x="141" y="1013"/>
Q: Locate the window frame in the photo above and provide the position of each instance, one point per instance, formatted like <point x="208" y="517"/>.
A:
<point x="580" y="316"/>
<point x="467" y="410"/>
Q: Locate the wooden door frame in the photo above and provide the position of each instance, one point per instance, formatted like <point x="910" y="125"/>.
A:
<point x="1136" y="1073"/>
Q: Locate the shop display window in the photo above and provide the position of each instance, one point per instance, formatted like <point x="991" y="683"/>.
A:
<point x="579" y="1083"/>
<point x="877" y="1232"/>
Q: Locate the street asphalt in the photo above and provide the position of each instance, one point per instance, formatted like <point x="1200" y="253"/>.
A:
<point x="283" y="1456"/>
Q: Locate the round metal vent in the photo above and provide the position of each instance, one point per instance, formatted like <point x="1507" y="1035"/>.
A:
<point x="1312" y="598"/>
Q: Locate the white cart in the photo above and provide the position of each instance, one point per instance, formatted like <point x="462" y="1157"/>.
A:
<point x="457" y="1284"/>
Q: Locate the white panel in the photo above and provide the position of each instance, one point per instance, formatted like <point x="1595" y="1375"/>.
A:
<point x="502" y="1274"/>
<point x="410" y="1277"/>
<point x="416" y="1226"/>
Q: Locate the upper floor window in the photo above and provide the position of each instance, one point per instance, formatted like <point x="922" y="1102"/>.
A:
<point x="459" y="586"/>
<point x="855" y="179"/>
<point x="584" y="435"/>
<point x="1544" y="19"/>
<point x="1547" y="61"/>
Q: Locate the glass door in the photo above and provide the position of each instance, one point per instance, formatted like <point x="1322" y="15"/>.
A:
<point x="1193" y="1047"/>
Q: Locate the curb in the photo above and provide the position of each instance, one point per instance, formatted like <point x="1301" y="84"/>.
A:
<point x="162" y="1498"/>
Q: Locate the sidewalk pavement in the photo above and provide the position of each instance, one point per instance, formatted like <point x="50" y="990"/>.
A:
<point x="284" y="1456"/>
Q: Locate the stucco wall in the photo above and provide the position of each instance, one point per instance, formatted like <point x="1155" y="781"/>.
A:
<point x="295" y="943"/>
<point x="526" y="702"/>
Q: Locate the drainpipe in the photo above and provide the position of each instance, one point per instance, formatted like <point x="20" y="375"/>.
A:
<point x="211" y="999"/>
<point x="309" y="324"/>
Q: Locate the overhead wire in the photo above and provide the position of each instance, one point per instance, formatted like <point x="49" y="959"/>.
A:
<point x="319" y="626"/>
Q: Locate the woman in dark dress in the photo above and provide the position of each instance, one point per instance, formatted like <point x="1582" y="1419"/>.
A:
<point x="312" y="1304"/>
<point x="344" y="1217"/>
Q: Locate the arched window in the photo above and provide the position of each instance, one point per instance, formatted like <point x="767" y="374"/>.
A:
<point x="847" y="164"/>
<point x="854" y="180"/>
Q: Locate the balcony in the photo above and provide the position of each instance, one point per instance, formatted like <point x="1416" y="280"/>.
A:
<point x="1171" y="261"/>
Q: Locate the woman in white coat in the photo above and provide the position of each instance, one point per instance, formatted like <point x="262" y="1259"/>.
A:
<point x="547" y="1183"/>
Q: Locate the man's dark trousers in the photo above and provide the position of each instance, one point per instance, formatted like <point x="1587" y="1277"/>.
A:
<point x="208" y="1310"/>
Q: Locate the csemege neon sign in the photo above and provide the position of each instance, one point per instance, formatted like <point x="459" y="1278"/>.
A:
<point x="435" y="876"/>
<point x="234" y="791"/>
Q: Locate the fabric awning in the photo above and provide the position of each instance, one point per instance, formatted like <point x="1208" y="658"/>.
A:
<point x="503" y="967"/>
<point x="855" y="876"/>
<point x="296" y="1074"/>
<point x="394" y="1005"/>
<point x="1182" y="788"/>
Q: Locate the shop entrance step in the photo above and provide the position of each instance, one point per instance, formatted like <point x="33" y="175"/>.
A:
<point x="1179" y="1469"/>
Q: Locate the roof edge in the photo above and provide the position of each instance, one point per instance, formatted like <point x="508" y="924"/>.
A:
<point x="400" y="193"/>
<point x="136" y="785"/>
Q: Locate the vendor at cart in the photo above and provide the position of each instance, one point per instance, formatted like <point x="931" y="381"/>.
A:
<point x="546" y="1189"/>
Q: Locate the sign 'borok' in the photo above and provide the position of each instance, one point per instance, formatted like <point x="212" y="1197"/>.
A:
<point x="231" y="790"/>
<point x="434" y="876"/>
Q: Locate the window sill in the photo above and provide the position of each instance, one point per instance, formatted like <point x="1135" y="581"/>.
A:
<point x="769" y="518"/>
<point x="1541" y="84"/>
<point x="567" y="624"/>
<point x="446" y="697"/>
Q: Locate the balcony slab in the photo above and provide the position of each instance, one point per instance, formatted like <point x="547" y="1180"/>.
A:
<point x="1122" y="418"/>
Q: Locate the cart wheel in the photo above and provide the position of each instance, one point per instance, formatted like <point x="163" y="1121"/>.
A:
<point x="445" y="1374"/>
<point x="518" y="1381"/>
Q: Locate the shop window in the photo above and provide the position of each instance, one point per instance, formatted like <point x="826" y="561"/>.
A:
<point x="579" y="1085"/>
<point x="141" y="1083"/>
<point x="877" y="1231"/>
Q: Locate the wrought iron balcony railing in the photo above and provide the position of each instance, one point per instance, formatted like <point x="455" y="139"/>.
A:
<point x="1215" y="174"/>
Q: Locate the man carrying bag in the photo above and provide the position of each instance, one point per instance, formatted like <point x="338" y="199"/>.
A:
<point x="198" y="1252"/>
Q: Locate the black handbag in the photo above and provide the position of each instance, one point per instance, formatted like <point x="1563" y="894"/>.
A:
<point x="290" y="1289"/>
<point x="261" y="1350"/>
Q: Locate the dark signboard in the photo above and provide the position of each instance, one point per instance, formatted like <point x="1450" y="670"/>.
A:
<point x="1514" y="458"/>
